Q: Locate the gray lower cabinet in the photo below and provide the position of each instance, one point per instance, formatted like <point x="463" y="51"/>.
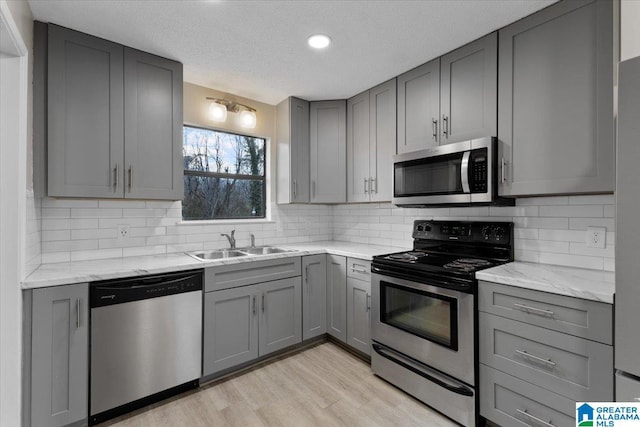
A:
<point x="337" y="297"/>
<point x="314" y="296"/>
<point x="539" y="353"/>
<point x="358" y="314"/>
<point x="292" y="140"/>
<point x="328" y="151"/>
<point x="247" y="322"/>
<point x="114" y="117"/>
<point x="555" y="100"/>
<point x="59" y="353"/>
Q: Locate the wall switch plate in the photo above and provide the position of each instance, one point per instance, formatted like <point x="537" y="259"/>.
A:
<point x="596" y="237"/>
<point x="123" y="231"/>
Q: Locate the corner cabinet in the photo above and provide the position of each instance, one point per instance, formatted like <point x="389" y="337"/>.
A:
<point x="328" y="151"/>
<point x="450" y="99"/>
<point x="114" y="118"/>
<point x="371" y="143"/>
<point x="556" y="123"/>
<point x="292" y="136"/>
<point x="314" y="296"/>
<point x="59" y="354"/>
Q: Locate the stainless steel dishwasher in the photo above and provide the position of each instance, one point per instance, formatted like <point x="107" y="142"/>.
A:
<point x="146" y="341"/>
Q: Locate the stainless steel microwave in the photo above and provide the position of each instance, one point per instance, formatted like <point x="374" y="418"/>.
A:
<point x="464" y="173"/>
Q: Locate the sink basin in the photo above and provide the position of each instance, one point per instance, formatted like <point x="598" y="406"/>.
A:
<point x="218" y="254"/>
<point x="265" y="250"/>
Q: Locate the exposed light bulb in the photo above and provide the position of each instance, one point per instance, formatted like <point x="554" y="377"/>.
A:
<point x="319" y="41"/>
<point x="248" y="119"/>
<point x="217" y="112"/>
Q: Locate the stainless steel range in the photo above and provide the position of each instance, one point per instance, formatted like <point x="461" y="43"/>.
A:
<point x="424" y="312"/>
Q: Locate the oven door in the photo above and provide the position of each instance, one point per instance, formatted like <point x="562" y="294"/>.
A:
<point x="430" y="324"/>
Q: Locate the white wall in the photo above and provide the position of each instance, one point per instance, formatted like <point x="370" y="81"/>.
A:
<point x="629" y="29"/>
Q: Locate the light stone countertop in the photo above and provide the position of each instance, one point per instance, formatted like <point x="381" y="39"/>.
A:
<point x="595" y="285"/>
<point x="104" y="269"/>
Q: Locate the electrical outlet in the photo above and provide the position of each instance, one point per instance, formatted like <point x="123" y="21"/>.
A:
<point x="123" y="231"/>
<point x="596" y="237"/>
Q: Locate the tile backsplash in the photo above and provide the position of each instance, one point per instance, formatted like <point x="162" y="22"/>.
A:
<point x="549" y="230"/>
<point x="32" y="242"/>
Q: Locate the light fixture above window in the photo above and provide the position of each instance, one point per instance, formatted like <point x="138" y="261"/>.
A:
<point x="319" y="41"/>
<point x="219" y="107"/>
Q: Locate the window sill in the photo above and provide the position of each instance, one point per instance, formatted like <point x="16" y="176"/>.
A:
<point x="226" y="221"/>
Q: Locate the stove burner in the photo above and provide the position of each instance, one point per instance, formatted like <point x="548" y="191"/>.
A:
<point x="467" y="264"/>
<point x="407" y="256"/>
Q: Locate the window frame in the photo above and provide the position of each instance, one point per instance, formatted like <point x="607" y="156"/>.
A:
<point x="243" y="219"/>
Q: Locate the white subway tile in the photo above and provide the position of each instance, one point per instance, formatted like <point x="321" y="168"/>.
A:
<point x="49" y="202"/>
<point x="609" y="264"/>
<point x="147" y="231"/>
<point x="609" y="211"/>
<point x="579" y="261"/>
<point x="186" y="247"/>
<point x="165" y="240"/>
<point x="115" y="222"/>
<point x="94" y="233"/>
<point x="506" y="211"/>
<point x="53" y="257"/>
<point x="542" y="246"/>
<point x="583" y="223"/>
<point x="146" y="212"/>
<point x="470" y="211"/>
<point x="144" y="250"/>
<point x="96" y="254"/>
<point x="95" y="213"/>
<point x="526" y="256"/>
<point x="69" y="245"/>
<point x="166" y="204"/>
<point x="161" y="222"/>
<point x="56" y="213"/>
<point x="563" y="235"/>
<point x="190" y="229"/>
<point x="66" y="224"/>
<point x="539" y="201"/>
<point x="572" y="211"/>
<point x="582" y="249"/>
<point x="53" y="235"/>
<point x="601" y="199"/>
<point x="526" y="233"/>
<point x="535" y="222"/>
<point x="121" y="243"/>
<point x="120" y="204"/>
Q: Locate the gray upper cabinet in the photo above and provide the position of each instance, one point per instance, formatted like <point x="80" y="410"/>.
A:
<point x="281" y="314"/>
<point x="59" y="355"/>
<point x="419" y="107"/>
<point x="152" y="126"/>
<point x="469" y="91"/>
<point x="292" y="136"/>
<point x="555" y="116"/>
<point x="114" y="119"/>
<point x="314" y="296"/>
<point x="328" y="168"/>
<point x="85" y="114"/>
<point x="371" y="143"/>
<point x="337" y="297"/>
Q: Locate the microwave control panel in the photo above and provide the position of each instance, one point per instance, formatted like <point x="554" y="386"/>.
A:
<point x="478" y="170"/>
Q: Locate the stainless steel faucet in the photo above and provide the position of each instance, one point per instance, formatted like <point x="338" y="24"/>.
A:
<point x="231" y="238"/>
<point x="253" y="240"/>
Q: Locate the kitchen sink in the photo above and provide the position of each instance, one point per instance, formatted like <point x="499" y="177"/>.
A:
<point x="265" y="250"/>
<point x="217" y="254"/>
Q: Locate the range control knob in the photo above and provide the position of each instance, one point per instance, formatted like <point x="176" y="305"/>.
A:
<point x="486" y="232"/>
<point x="498" y="233"/>
<point x="427" y="227"/>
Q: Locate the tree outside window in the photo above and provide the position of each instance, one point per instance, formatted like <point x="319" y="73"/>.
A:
<point x="224" y="175"/>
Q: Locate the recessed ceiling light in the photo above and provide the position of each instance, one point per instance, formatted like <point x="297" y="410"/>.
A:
<point x="319" y="41"/>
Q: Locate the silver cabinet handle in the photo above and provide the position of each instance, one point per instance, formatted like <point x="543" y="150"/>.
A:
<point x="366" y="189"/>
<point x="130" y="177"/>
<point x="263" y="303"/>
<point x="254" y="305"/>
<point x="445" y="126"/>
<point x="434" y="124"/>
<point x="306" y="274"/>
<point x="357" y="270"/>
<point x="368" y="302"/>
<point x="77" y="313"/>
<point x="295" y="189"/>
<point x="373" y="181"/>
<point x="313" y="189"/>
<point x="503" y="174"/>
<point x="535" y="358"/>
<point x="534" y="310"/>
<point x="534" y="418"/>
<point x="115" y="178"/>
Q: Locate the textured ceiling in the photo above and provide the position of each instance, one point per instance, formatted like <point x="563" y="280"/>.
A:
<point x="257" y="49"/>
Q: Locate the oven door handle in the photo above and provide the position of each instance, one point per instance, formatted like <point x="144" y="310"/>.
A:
<point x="437" y="378"/>
<point x="464" y="172"/>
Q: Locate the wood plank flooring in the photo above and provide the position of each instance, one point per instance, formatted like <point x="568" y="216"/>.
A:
<point x="320" y="386"/>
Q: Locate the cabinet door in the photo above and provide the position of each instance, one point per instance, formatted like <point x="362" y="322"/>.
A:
<point x="358" y="314"/>
<point x="358" y="146"/>
<point x="555" y="100"/>
<point x="230" y="328"/>
<point x="382" y="137"/>
<point x="152" y="126"/>
<point x="59" y="361"/>
<point x="85" y="115"/>
<point x="469" y="91"/>
<point x="328" y="152"/>
<point x="314" y="296"/>
<point x="281" y="314"/>
<point x="337" y="297"/>
<point x="419" y="107"/>
<point x="292" y="129"/>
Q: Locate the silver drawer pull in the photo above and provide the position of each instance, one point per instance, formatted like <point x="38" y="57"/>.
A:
<point x="357" y="270"/>
<point x="534" y="310"/>
<point x="530" y="356"/>
<point x="534" y="418"/>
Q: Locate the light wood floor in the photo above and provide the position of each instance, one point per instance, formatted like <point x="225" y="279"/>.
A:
<point x="321" y="386"/>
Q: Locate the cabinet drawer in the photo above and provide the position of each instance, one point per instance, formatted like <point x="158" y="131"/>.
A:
<point x="582" y="318"/>
<point x="508" y="401"/>
<point x="574" y="367"/>
<point x="248" y="273"/>
<point x="359" y="269"/>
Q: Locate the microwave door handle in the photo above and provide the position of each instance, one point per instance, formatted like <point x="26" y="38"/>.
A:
<point x="464" y="172"/>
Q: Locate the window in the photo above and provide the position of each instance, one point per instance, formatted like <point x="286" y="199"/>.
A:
<point x="224" y="175"/>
